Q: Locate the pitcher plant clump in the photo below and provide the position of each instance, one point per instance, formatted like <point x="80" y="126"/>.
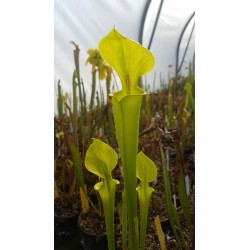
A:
<point x="130" y="60"/>
<point x="86" y="131"/>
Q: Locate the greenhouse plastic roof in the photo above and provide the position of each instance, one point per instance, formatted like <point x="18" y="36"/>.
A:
<point x="86" y="22"/>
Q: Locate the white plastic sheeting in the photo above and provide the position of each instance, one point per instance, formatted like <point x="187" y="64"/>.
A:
<point x="86" y="21"/>
<point x="174" y="15"/>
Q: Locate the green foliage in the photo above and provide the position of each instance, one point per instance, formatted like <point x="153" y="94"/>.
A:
<point x="146" y="171"/>
<point x="101" y="159"/>
<point x="130" y="60"/>
<point x="124" y="220"/>
<point x="128" y="109"/>
<point x="171" y="210"/>
<point x="77" y="163"/>
<point x="184" y="199"/>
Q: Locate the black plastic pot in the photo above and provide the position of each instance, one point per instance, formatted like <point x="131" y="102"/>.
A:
<point x="65" y="226"/>
<point x="92" y="241"/>
<point x="89" y="239"/>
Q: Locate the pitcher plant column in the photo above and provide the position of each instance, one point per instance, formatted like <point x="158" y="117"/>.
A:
<point x="130" y="60"/>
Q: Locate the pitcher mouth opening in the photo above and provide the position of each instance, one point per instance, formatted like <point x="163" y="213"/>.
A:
<point x="120" y="95"/>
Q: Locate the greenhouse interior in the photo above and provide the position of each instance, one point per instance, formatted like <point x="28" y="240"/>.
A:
<point x="124" y="125"/>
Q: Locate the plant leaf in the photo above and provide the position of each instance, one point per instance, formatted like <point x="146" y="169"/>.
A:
<point x="129" y="59"/>
<point x="100" y="158"/>
<point x="106" y="189"/>
<point x="184" y="199"/>
<point x="145" y="168"/>
<point x="171" y="210"/>
<point x="160" y="233"/>
<point x="146" y="171"/>
<point x="124" y="220"/>
<point x="77" y="162"/>
<point x="126" y="116"/>
<point x="84" y="201"/>
<point x="189" y="102"/>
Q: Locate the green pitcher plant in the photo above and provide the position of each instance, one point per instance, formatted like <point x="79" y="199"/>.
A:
<point x="130" y="60"/>
<point x="146" y="171"/>
<point x="101" y="159"/>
